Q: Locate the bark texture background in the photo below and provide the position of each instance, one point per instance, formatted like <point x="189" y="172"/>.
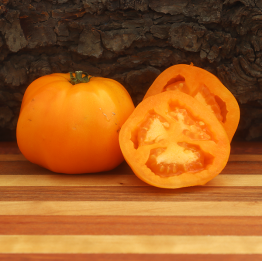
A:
<point x="132" y="41"/>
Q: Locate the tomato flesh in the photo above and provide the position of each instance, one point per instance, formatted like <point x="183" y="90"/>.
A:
<point x="206" y="97"/>
<point x="203" y="86"/>
<point x="173" y="137"/>
<point x="176" y="158"/>
<point x="203" y="95"/>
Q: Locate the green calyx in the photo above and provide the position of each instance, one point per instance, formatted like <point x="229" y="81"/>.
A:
<point x="80" y="77"/>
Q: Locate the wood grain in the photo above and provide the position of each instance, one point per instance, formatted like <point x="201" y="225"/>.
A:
<point x="27" y="168"/>
<point x="243" y="167"/>
<point x="130" y="225"/>
<point x="129" y="193"/>
<point x="9" y="148"/>
<point x="116" y="180"/>
<point x="127" y="208"/>
<point x="244" y="158"/>
<point x="12" y="157"/>
<point x="115" y="216"/>
<point x="130" y="257"/>
<point x="239" y="147"/>
<point x="235" y="157"/>
<point x="131" y="244"/>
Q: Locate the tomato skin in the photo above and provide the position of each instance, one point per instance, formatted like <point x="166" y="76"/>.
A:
<point x="154" y="126"/>
<point x="73" y="129"/>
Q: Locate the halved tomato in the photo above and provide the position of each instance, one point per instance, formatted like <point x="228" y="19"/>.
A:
<point x="171" y="140"/>
<point x="203" y="86"/>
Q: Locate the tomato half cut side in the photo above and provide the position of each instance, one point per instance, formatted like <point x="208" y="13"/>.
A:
<point x="205" y="87"/>
<point x="171" y="141"/>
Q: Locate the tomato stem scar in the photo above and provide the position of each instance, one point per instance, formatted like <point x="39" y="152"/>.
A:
<point x="78" y="78"/>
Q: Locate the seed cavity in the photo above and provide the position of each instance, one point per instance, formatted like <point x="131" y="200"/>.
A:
<point x="177" y="159"/>
<point x="152" y="130"/>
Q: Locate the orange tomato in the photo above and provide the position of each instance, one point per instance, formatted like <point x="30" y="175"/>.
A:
<point x="171" y="141"/>
<point x="204" y="87"/>
<point x="73" y="128"/>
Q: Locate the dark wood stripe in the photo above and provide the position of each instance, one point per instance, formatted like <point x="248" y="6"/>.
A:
<point x="21" y="168"/>
<point x="242" y="147"/>
<point x="246" y="147"/>
<point x="27" y="168"/>
<point x="239" y="167"/>
<point x="129" y="193"/>
<point x="130" y="257"/>
<point x="9" y="148"/>
<point x="131" y="225"/>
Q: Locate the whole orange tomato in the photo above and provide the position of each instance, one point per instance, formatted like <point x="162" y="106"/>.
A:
<point x="69" y="123"/>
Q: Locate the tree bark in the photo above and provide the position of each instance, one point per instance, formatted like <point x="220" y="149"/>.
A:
<point x="132" y="41"/>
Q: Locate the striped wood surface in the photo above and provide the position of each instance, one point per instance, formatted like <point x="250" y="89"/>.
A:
<point x="115" y="216"/>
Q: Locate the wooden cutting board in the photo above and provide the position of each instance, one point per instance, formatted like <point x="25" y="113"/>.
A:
<point x="115" y="216"/>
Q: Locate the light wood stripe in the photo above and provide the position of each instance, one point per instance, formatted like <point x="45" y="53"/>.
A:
<point x="71" y="180"/>
<point x="115" y="180"/>
<point x="127" y="208"/>
<point x="233" y="157"/>
<point x="104" y="244"/>
<point x="236" y="180"/>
